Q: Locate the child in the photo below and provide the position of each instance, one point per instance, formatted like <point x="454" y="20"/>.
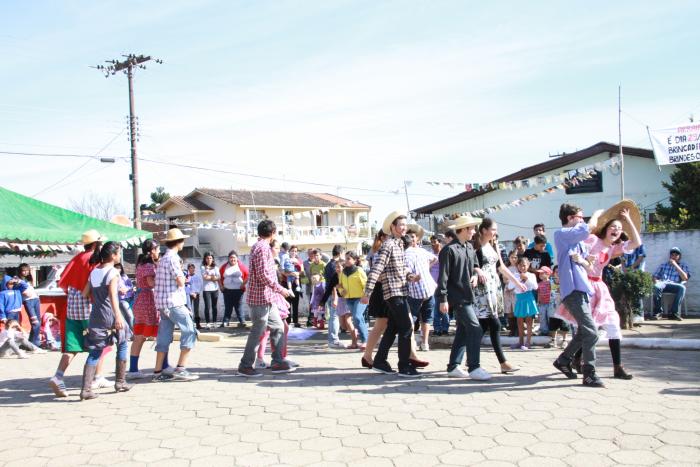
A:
<point x="352" y="280"/>
<point x="318" y="288"/>
<point x="544" y="299"/>
<point x="525" y="306"/>
<point x="12" y="337"/>
<point x="50" y="332"/>
<point x="557" y="327"/>
<point x="10" y="299"/>
<point x="509" y="295"/>
<point x="31" y="303"/>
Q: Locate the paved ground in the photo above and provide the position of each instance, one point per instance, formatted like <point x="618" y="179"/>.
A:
<point x="689" y="328"/>
<point x="331" y="412"/>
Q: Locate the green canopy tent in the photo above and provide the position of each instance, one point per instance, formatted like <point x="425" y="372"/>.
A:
<point x="32" y="227"/>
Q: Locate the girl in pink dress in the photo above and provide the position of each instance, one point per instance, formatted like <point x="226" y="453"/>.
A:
<point x="607" y="243"/>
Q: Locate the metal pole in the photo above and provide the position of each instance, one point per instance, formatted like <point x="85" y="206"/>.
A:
<point x="619" y="132"/>
<point x="134" y="159"/>
<point x="408" y="207"/>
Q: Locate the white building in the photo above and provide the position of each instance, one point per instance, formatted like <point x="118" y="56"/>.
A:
<point x="643" y="180"/>
<point x="224" y="220"/>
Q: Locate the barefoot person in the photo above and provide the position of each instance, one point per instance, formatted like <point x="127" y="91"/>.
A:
<point x="389" y="267"/>
<point x="459" y="273"/>
<point x="576" y="291"/>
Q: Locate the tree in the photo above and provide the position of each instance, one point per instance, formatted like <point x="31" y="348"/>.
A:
<point x="627" y="289"/>
<point x="97" y="205"/>
<point x="158" y="197"/>
<point x="684" y="209"/>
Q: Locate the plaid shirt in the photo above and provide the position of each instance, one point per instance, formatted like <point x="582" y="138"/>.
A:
<point x="166" y="291"/>
<point x="78" y="307"/>
<point x="262" y="283"/>
<point x="667" y="273"/>
<point x="418" y="262"/>
<point x="389" y="268"/>
<point x="544" y="292"/>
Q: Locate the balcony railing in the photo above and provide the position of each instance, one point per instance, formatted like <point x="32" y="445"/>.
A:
<point x="323" y="234"/>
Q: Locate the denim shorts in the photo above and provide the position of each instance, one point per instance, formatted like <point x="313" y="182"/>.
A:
<point x="179" y="316"/>
<point x="422" y="310"/>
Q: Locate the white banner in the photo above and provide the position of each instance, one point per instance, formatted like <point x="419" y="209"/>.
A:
<point x="676" y="145"/>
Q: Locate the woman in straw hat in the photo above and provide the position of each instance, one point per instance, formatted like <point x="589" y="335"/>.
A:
<point x="74" y="277"/>
<point x="609" y="240"/>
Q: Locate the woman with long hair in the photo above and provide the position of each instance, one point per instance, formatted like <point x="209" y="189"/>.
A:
<point x="486" y="292"/>
<point x="211" y="277"/>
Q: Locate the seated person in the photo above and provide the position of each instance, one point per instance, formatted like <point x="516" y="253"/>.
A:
<point x="12" y="337"/>
<point x="669" y="277"/>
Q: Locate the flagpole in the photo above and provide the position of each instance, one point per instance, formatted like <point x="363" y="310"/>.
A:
<point x="619" y="133"/>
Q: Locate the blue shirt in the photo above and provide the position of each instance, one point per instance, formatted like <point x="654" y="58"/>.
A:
<point x="638" y="252"/>
<point x="10" y="300"/>
<point x="572" y="276"/>
<point x="547" y="248"/>
<point x="667" y="273"/>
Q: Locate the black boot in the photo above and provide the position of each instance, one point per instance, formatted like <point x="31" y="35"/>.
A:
<point x="590" y="379"/>
<point x="620" y="373"/>
<point x="564" y="367"/>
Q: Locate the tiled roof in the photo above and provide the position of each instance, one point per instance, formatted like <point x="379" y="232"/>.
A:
<point x="279" y="198"/>
<point x="191" y="203"/>
<point x="538" y="169"/>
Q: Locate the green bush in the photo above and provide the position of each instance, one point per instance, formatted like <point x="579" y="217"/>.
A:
<point x="627" y="290"/>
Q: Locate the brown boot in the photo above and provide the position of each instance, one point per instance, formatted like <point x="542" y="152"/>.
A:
<point x="120" y="384"/>
<point x="88" y="377"/>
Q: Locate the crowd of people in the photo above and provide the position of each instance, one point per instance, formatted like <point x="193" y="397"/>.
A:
<point x="405" y="291"/>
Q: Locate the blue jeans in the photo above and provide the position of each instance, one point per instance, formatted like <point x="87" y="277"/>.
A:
<point x="34" y="311"/>
<point x="333" y="324"/>
<point x="678" y="290"/>
<point x="357" y="310"/>
<point x="422" y="309"/>
<point x="467" y="338"/>
<point x="95" y="354"/>
<point x="441" y="322"/>
<point x="545" y="312"/>
<point x="179" y="315"/>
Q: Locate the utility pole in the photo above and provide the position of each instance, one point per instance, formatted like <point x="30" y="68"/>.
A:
<point x="619" y="134"/>
<point x="127" y="66"/>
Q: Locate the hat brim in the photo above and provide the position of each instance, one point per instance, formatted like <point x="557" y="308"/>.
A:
<point x="613" y="213"/>
<point x="419" y="231"/>
<point x="386" y="226"/>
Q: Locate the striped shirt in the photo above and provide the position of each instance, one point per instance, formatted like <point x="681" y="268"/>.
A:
<point x="418" y="262"/>
<point x="389" y="268"/>
<point x="167" y="293"/>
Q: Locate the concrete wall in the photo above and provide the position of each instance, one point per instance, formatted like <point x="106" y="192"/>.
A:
<point x="658" y="245"/>
<point x="642" y="184"/>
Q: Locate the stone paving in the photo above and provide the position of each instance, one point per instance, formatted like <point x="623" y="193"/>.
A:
<point x="331" y="412"/>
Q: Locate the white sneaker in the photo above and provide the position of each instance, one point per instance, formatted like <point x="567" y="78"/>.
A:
<point x="480" y="375"/>
<point x="292" y="363"/>
<point x="423" y="347"/>
<point x="169" y="370"/>
<point x="337" y="345"/>
<point x="132" y="375"/>
<point x="37" y="350"/>
<point x="260" y="364"/>
<point x="458" y="372"/>
<point x="101" y="382"/>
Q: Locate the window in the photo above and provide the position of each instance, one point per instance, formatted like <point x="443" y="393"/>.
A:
<point x="592" y="185"/>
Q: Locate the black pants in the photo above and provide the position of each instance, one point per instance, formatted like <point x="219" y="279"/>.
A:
<point x="195" y="309"/>
<point x="493" y="324"/>
<point x="232" y="299"/>
<point x="399" y="315"/>
<point x="211" y="300"/>
<point x="294" y="301"/>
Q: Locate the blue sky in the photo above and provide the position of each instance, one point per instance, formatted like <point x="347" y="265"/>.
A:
<point x="350" y="93"/>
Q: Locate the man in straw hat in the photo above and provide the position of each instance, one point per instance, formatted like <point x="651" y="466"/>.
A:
<point x="389" y="268"/>
<point x="576" y="291"/>
<point x="73" y="279"/>
<point x="262" y="284"/>
<point x="171" y="302"/>
<point x="459" y="273"/>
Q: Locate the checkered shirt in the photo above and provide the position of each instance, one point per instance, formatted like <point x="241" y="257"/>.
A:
<point x="666" y="272"/>
<point x="78" y="306"/>
<point x="389" y="268"/>
<point x="262" y="282"/>
<point x="418" y="262"/>
<point x="166" y="291"/>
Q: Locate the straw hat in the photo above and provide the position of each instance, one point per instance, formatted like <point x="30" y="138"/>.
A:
<point x="386" y="226"/>
<point x="91" y="236"/>
<point x="464" y="221"/>
<point x="614" y="213"/>
<point x="417" y="229"/>
<point x="175" y="234"/>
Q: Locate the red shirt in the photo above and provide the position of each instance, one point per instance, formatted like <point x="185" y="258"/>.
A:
<point x="241" y="266"/>
<point x="77" y="272"/>
<point x="544" y="292"/>
<point x="263" y="277"/>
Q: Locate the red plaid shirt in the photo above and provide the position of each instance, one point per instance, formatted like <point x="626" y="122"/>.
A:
<point x="262" y="283"/>
<point x="544" y="293"/>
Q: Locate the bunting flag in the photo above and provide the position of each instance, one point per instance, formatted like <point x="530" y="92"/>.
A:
<point x="572" y="175"/>
<point x="566" y="179"/>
